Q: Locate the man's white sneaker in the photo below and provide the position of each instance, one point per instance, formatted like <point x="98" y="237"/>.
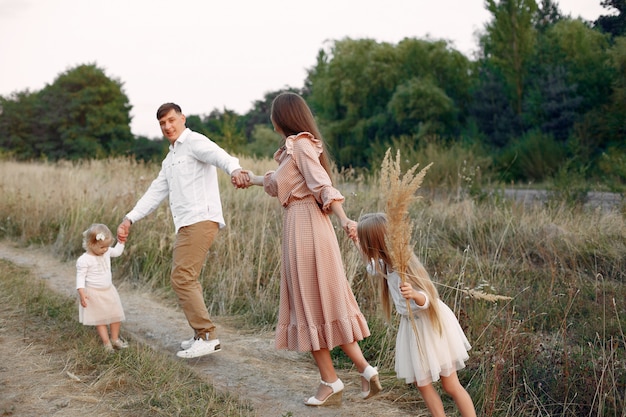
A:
<point x="186" y="344"/>
<point x="200" y="347"/>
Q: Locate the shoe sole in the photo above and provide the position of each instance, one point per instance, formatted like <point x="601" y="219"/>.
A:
<point x="332" y="399"/>
<point x="217" y="349"/>
<point x="375" y="388"/>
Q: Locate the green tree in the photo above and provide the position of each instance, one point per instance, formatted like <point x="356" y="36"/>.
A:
<point x="362" y="92"/>
<point x="259" y="114"/>
<point x="18" y="134"/>
<point x="224" y="128"/>
<point x="615" y="23"/>
<point x="195" y="123"/>
<point x="449" y="70"/>
<point x="509" y="42"/>
<point x="88" y="114"/>
<point x="552" y="103"/>
<point x="258" y="129"/>
<point x="570" y="83"/>
<point x="547" y="15"/>
<point x="149" y="150"/>
<point x="616" y="112"/>
<point x="82" y="114"/>
<point x="264" y="142"/>
<point x="350" y="88"/>
<point x="583" y="52"/>
<point x="421" y="107"/>
<point x="491" y="108"/>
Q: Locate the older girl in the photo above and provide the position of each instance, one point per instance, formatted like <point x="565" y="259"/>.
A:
<point x="439" y="347"/>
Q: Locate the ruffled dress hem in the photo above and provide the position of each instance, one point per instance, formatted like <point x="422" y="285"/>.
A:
<point x="327" y="336"/>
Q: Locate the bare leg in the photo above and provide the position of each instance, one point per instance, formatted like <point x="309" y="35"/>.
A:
<point x="103" y="332"/>
<point x="115" y="331"/>
<point x="462" y="399"/>
<point x="433" y="400"/>
<point x="353" y="350"/>
<point x="327" y="372"/>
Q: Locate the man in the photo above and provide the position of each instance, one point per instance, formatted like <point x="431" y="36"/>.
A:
<point x="188" y="177"/>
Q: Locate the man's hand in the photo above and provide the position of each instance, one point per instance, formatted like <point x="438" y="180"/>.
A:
<point x="240" y="179"/>
<point x="123" y="230"/>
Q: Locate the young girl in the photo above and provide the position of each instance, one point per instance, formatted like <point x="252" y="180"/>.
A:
<point x="100" y="304"/>
<point x="442" y="344"/>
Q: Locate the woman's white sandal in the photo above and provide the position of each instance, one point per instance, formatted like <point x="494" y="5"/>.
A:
<point x="333" y="399"/>
<point x="371" y="376"/>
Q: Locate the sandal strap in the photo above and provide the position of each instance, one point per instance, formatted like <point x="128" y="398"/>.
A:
<point x="335" y="386"/>
<point x="369" y="372"/>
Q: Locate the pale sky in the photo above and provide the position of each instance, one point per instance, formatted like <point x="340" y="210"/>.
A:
<point x="208" y="54"/>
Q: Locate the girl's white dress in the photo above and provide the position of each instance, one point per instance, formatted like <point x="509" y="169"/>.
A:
<point x="438" y="354"/>
<point x="93" y="273"/>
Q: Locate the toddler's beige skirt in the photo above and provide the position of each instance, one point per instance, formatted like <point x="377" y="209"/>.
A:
<point x="103" y="307"/>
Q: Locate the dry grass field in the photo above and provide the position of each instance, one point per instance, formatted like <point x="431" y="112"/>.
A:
<point x="555" y="348"/>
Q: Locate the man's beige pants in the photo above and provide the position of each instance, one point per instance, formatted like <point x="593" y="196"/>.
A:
<point x="190" y="251"/>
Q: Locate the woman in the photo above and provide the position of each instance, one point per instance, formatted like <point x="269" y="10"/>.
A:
<point x="317" y="309"/>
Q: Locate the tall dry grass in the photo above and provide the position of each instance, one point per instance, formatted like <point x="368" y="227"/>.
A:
<point x="556" y="348"/>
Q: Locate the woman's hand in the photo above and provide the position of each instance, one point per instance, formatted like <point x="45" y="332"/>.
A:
<point x="349" y="226"/>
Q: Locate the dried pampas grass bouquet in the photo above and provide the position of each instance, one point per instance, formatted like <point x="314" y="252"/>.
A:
<point x="399" y="192"/>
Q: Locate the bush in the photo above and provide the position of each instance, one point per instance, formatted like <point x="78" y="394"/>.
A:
<point x="533" y="157"/>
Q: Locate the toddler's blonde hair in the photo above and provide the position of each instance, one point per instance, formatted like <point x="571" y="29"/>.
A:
<point x="95" y="233"/>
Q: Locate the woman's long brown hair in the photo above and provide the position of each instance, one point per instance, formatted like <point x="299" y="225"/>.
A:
<point x="292" y="115"/>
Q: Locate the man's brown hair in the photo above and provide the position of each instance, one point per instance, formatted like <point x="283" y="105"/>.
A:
<point x="166" y="108"/>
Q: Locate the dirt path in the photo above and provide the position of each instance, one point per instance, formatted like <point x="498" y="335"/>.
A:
<point x="275" y="382"/>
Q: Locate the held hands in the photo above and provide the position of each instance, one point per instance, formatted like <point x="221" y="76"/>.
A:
<point x="349" y="226"/>
<point x="123" y="230"/>
<point x="240" y="178"/>
<point x="245" y="178"/>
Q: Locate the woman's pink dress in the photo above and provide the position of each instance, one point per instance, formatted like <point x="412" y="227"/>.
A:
<point x="317" y="307"/>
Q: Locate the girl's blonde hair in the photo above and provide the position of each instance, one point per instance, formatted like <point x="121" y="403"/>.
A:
<point x="372" y="231"/>
<point x="95" y="233"/>
<point x="292" y="115"/>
